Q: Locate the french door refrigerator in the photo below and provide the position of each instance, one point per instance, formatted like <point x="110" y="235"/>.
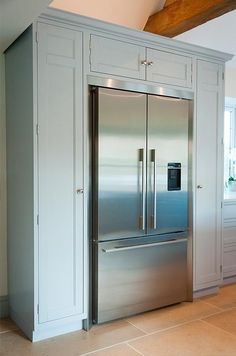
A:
<point x="141" y="221"/>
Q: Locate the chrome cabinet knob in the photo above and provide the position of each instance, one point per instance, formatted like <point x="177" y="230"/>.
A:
<point x="79" y="191"/>
<point x="150" y="63"/>
<point x="199" y="186"/>
<point x="144" y="62"/>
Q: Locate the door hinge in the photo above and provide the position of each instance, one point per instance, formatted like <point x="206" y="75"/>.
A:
<point x="221" y="205"/>
<point x="221" y="268"/>
<point x="37" y="219"/>
<point x="37" y="308"/>
<point x="223" y="76"/>
<point x="37" y="129"/>
<point x="36" y="37"/>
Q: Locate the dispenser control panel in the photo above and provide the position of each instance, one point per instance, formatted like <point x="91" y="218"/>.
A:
<point x="174" y="176"/>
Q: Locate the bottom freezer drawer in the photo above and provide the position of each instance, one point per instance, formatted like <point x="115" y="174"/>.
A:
<point x="139" y="277"/>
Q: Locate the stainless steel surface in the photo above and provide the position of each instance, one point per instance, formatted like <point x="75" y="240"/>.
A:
<point x="199" y="186"/>
<point x="142" y="241"/>
<point x="121" y="133"/>
<point x="154" y="190"/>
<point x="138" y="87"/>
<point x="147" y="245"/>
<point x="168" y="120"/>
<point x="143" y="190"/>
<point x="135" y="280"/>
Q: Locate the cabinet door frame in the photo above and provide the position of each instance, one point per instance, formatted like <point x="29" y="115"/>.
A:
<point x="73" y="43"/>
<point x="101" y="62"/>
<point x="214" y="279"/>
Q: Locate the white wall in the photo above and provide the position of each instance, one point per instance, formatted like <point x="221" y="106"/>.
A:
<point x="230" y="82"/>
<point x="3" y="239"/>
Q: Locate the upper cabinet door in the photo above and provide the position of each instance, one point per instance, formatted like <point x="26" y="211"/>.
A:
<point x="169" y="68"/>
<point x="209" y="115"/>
<point x="117" y="58"/>
<point x="60" y="168"/>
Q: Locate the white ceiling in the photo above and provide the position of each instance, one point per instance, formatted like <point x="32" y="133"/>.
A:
<point x="219" y="34"/>
<point x="130" y="13"/>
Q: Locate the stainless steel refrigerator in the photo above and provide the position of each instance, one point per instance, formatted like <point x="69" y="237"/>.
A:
<point x="141" y="202"/>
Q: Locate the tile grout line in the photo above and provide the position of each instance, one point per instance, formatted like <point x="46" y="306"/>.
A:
<point x="116" y="344"/>
<point x="219" y="328"/>
<point x="127" y="342"/>
<point x="8" y="331"/>
<point x="102" y="348"/>
<point x="137" y="327"/>
<point x="132" y="347"/>
<point x="212" y="305"/>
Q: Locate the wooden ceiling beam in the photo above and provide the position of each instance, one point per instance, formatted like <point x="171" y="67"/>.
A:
<point x="182" y="15"/>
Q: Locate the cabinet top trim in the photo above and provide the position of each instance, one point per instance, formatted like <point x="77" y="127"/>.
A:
<point x="142" y="88"/>
<point x="138" y="35"/>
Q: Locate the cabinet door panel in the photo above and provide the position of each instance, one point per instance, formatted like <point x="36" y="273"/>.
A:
<point x="169" y="68"/>
<point x="117" y="57"/>
<point x="208" y="166"/>
<point x="60" y="173"/>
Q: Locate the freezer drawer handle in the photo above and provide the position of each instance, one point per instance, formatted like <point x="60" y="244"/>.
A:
<point x="142" y="217"/>
<point x="134" y="247"/>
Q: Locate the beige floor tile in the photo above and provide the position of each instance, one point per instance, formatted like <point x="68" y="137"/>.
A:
<point x="225" y="320"/>
<point x="171" y="316"/>
<point x="6" y="325"/>
<point x="119" y="350"/>
<point x="73" y="344"/>
<point x="196" y="338"/>
<point x="225" y="299"/>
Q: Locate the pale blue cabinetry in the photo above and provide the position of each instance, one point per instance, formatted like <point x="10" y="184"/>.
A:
<point x="122" y="58"/>
<point x="48" y="72"/>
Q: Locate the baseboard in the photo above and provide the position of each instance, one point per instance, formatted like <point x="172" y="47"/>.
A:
<point x="4" y="312"/>
<point x="229" y="280"/>
<point x="49" y="332"/>
<point x="206" y="291"/>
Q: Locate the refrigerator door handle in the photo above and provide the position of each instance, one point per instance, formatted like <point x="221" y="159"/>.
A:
<point x="134" y="247"/>
<point x="142" y="216"/>
<point x="154" y="191"/>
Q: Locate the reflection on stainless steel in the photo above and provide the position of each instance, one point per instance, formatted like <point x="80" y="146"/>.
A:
<point x="172" y="94"/>
<point x="168" y="134"/>
<point x="121" y="133"/>
<point x="138" y="279"/>
<point x="142" y="248"/>
<point x="154" y="190"/>
<point x="143" y="189"/>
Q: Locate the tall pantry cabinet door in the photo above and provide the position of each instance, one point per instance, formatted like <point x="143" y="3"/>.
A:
<point x="60" y="173"/>
<point x="208" y="175"/>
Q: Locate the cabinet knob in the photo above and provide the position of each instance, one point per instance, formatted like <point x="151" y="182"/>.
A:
<point x="144" y="62"/>
<point x="199" y="186"/>
<point x="79" y="191"/>
<point x="150" y="63"/>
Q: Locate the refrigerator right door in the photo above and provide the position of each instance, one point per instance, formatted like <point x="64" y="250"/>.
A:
<point x="167" y="162"/>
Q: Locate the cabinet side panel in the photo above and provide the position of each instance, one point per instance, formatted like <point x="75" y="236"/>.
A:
<point x="19" y="112"/>
<point x="208" y="197"/>
<point x="60" y="208"/>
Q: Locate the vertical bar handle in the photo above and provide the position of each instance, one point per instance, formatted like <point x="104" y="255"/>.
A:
<point x="142" y="216"/>
<point x="154" y="191"/>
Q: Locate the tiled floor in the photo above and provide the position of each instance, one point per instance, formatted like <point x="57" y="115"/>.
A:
<point x="206" y="327"/>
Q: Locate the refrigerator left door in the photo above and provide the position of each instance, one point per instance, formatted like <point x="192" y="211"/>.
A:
<point x="119" y="189"/>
